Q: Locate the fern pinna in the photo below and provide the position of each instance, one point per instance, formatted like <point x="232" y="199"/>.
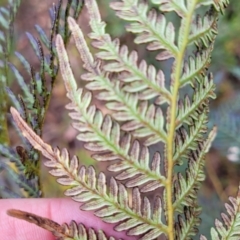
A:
<point x="146" y="108"/>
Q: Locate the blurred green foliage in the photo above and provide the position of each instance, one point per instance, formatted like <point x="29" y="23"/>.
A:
<point x="227" y="51"/>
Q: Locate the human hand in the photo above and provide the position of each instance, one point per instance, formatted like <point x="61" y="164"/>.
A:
<point x="59" y="210"/>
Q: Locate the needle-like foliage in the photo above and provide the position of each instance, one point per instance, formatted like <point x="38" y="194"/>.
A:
<point x="7" y="17"/>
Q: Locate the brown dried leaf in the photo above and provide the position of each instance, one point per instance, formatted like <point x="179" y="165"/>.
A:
<point x="39" y="221"/>
<point x="32" y="137"/>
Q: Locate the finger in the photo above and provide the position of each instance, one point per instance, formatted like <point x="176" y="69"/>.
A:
<point x="58" y="210"/>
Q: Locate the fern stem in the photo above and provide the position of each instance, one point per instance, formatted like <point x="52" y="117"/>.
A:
<point x="154" y="32"/>
<point x="185" y="25"/>
<point x="108" y="200"/>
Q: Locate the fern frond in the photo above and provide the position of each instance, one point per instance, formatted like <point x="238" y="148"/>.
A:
<point x="185" y="192"/>
<point x="73" y="231"/>
<point x="150" y="27"/>
<point x="195" y="67"/>
<point x="203" y="91"/>
<point x="220" y="5"/>
<point x="76" y="231"/>
<point x="101" y="133"/>
<point x="186" y="226"/>
<point x="142" y="119"/>
<point x="173" y="110"/>
<point x="185" y="189"/>
<point x="204" y="30"/>
<point x="188" y="140"/>
<point x="172" y="5"/>
<point x="130" y="87"/>
<point x="229" y="228"/>
<point x="177" y="116"/>
<point x="92" y="191"/>
<point x="124" y="61"/>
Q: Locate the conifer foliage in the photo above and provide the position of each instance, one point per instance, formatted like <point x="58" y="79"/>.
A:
<point x="146" y="107"/>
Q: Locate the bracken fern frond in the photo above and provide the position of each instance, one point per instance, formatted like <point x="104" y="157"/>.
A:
<point x="34" y="100"/>
<point x="229" y="227"/>
<point x="143" y="111"/>
<point x="85" y="187"/>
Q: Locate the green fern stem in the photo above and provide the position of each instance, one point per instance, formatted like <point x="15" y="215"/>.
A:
<point x="186" y="24"/>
